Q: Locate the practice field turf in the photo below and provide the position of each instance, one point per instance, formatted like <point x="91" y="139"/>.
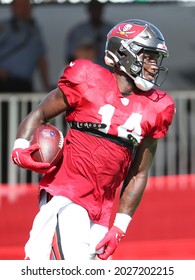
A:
<point x="162" y="228"/>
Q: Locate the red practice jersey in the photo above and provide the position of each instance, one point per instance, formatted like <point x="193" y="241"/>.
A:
<point x="93" y="167"/>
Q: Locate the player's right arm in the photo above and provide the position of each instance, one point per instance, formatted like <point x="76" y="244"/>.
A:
<point x="54" y="104"/>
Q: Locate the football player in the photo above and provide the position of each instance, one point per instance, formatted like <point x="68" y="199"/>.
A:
<point x="116" y="119"/>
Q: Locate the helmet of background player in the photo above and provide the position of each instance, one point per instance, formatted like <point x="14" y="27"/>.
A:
<point x="126" y="41"/>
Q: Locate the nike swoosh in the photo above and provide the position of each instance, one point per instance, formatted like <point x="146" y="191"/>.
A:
<point x="72" y="64"/>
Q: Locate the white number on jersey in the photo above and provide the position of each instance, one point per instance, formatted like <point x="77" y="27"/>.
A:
<point x="131" y="126"/>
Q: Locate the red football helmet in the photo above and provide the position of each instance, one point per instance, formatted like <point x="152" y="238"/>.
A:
<point x="126" y="41"/>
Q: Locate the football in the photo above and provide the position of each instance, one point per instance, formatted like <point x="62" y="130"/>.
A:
<point x="51" y="142"/>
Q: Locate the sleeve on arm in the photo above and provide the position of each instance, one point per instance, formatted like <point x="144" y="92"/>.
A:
<point x="73" y="82"/>
<point x="163" y="121"/>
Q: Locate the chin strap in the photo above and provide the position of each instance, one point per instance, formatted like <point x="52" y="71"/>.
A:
<point x="140" y="82"/>
<point x="143" y="84"/>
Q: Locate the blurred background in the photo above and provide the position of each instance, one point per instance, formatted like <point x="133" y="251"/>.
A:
<point x="164" y="224"/>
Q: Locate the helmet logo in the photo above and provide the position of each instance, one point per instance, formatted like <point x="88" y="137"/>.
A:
<point x="127" y="27"/>
<point x="125" y="30"/>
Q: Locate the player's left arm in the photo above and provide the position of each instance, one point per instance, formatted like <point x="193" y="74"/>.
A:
<point x="131" y="195"/>
<point x="136" y="181"/>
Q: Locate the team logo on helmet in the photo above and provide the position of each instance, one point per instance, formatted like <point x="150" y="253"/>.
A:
<point x="125" y="30"/>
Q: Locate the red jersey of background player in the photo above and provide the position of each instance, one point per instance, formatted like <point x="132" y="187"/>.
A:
<point x="93" y="167"/>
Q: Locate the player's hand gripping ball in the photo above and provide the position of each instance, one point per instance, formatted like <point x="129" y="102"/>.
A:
<point x="50" y="141"/>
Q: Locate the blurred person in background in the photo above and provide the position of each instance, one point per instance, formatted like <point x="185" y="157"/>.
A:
<point x="22" y="50"/>
<point x="85" y="49"/>
<point x="95" y="28"/>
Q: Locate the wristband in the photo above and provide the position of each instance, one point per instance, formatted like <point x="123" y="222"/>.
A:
<point x="21" y="143"/>
<point x="122" y="221"/>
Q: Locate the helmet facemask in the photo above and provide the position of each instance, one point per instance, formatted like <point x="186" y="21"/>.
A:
<point x="138" y="70"/>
